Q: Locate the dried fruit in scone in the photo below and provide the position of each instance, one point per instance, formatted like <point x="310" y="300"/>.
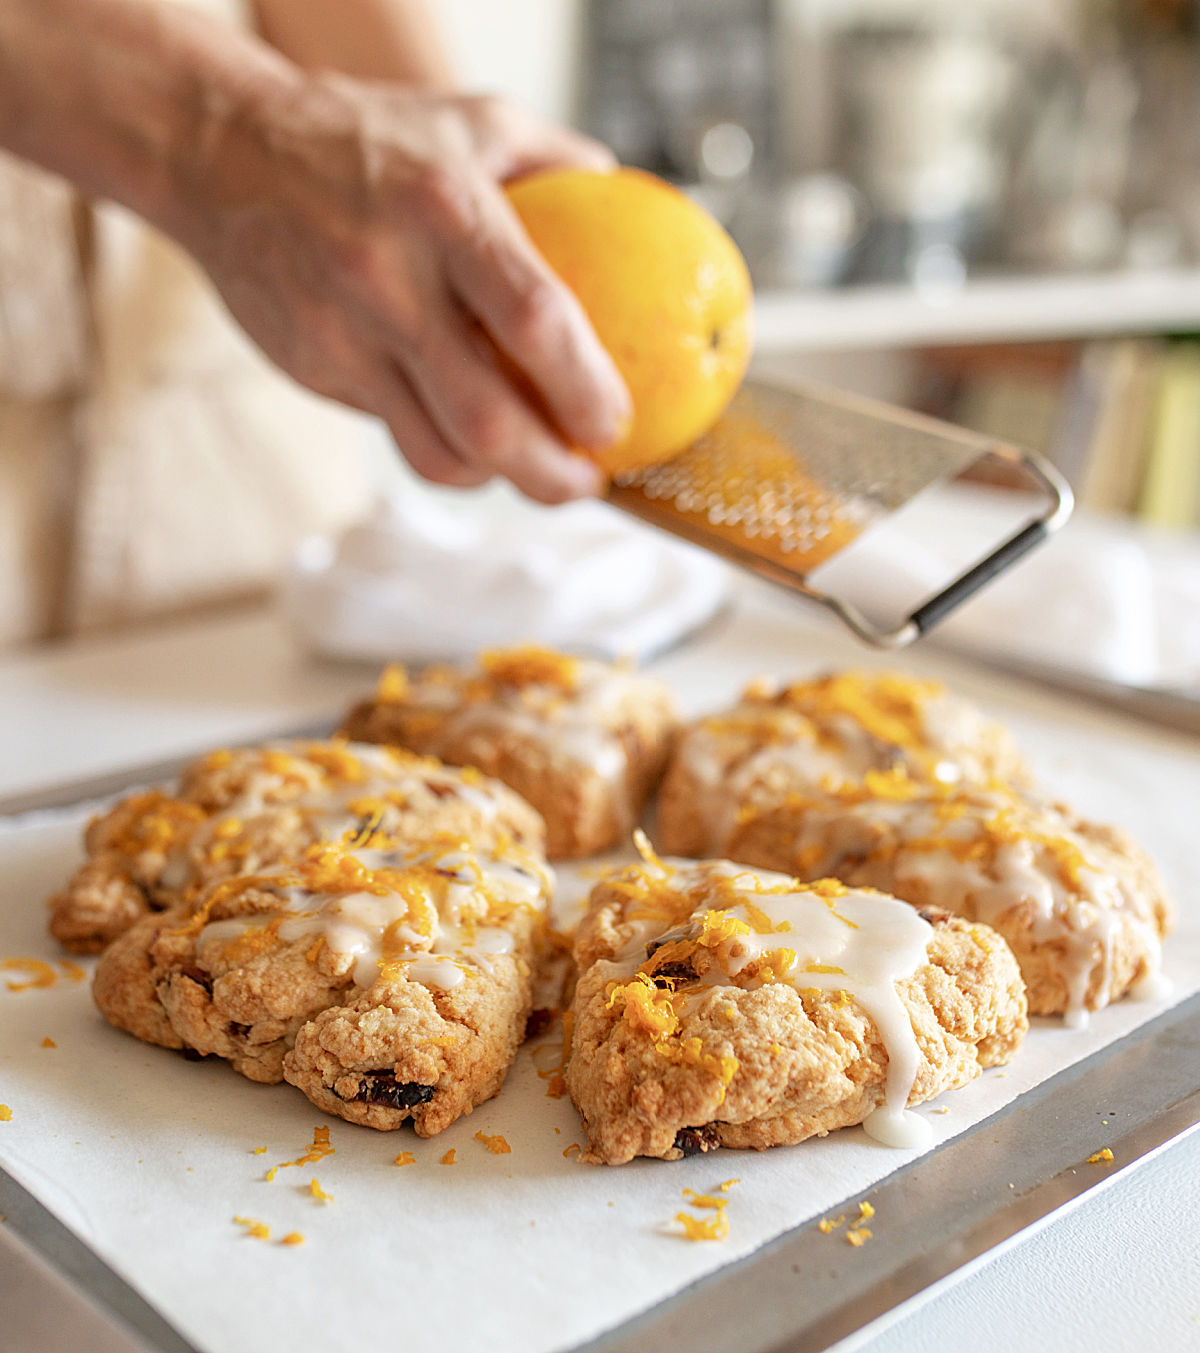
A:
<point x="584" y="741"/>
<point x="241" y="810"/>
<point x="811" y="734"/>
<point x="386" y="982"/>
<point x="719" y="1005"/>
<point x="1081" y="905"/>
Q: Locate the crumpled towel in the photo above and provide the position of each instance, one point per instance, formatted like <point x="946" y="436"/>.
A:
<point x="433" y="576"/>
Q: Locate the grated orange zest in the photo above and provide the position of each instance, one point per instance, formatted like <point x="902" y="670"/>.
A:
<point x="496" y="1144"/>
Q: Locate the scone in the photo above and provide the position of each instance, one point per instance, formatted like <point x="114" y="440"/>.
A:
<point x="387" y="983"/>
<point x="1081" y="905"/>
<point x="724" y="1006"/>
<point x="240" y="811"/>
<point x="812" y="734"/>
<point x="583" y="741"/>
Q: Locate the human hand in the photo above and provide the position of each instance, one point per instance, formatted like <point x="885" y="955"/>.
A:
<point x="359" y="233"/>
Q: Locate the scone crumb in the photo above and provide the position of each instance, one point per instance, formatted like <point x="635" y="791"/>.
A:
<point x="256" y="1230"/>
<point x="5" y="1114"/>
<point x="259" y="1151"/>
<point x="728" y="1184"/>
<point x="827" y="1224"/>
<point x="495" y="1143"/>
<point x="448" y="1158"/>
<point x="1101" y="1157"/>
<point x="865" y="1212"/>
<point x="292" y="1238"/>
<point x="858" y="1235"/>
<point x="405" y="1158"/>
<point x="48" y="1042"/>
<point x="318" y="1193"/>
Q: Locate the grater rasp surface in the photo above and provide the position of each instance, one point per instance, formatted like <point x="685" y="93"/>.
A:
<point x="788" y="477"/>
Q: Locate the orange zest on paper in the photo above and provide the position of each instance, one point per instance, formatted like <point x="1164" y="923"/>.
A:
<point x="715" y="1227"/>
<point x="317" y="1150"/>
<point x="496" y="1144"/>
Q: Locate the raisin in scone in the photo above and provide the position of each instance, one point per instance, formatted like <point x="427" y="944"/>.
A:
<point x="583" y="741"/>
<point x="242" y="810"/>
<point x="1081" y="905"/>
<point x="724" y="1006"/>
<point x="812" y="734"/>
<point x="386" y="982"/>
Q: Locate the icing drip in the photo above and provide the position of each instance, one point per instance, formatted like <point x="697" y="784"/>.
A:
<point x="767" y="928"/>
<point x="987" y="856"/>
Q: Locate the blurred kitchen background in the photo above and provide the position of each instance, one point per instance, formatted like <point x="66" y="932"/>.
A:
<point x="986" y="210"/>
<point x="990" y="210"/>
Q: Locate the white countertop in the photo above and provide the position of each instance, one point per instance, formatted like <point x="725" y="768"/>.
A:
<point x="1119" y="1271"/>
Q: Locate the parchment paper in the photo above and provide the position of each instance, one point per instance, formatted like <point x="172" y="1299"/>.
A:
<point x="149" y="1157"/>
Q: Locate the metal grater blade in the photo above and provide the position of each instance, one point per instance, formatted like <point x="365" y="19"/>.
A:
<point x="790" y="476"/>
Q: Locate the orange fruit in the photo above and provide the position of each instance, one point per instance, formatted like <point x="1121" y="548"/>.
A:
<point x="665" y="288"/>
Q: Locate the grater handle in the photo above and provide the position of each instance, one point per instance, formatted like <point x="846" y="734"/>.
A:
<point x="929" y="613"/>
<point x="968" y="583"/>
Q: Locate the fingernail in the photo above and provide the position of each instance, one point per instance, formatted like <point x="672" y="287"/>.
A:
<point x="614" y="423"/>
<point x="582" y="478"/>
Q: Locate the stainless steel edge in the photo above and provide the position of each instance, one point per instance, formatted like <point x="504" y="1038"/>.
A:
<point x="805" y="1291"/>
<point x="23" y="1214"/>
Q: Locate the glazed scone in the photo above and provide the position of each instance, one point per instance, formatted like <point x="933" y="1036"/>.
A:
<point x="584" y="741"/>
<point x="724" y="1006"/>
<point x="242" y="810"/>
<point x="386" y="982"/>
<point x="1081" y="905"/>
<point x="812" y="734"/>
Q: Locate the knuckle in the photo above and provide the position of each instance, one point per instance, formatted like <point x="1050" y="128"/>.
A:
<point x="536" y="320"/>
<point x="446" y="196"/>
<point x="489" y="111"/>
<point x="486" y="429"/>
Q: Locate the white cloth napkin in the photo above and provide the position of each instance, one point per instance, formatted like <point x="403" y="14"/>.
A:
<point x="439" y="576"/>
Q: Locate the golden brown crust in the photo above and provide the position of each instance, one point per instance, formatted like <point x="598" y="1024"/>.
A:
<point x="1110" y="901"/>
<point x="253" y="974"/>
<point x="807" y="1061"/>
<point x="586" y="755"/>
<point x="248" y="809"/>
<point x="811" y="734"/>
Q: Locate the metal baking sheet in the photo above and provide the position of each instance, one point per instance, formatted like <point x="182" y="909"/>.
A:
<point x="934" y="1217"/>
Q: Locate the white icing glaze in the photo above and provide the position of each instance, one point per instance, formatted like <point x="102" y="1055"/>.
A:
<point x="1089" y="915"/>
<point x="806" y="753"/>
<point x="867" y="941"/>
<point x="574" y="726"/>
<point x="323" y="810"/>
<point x="364" y="930"/>
<point x="1154" y="986"/>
